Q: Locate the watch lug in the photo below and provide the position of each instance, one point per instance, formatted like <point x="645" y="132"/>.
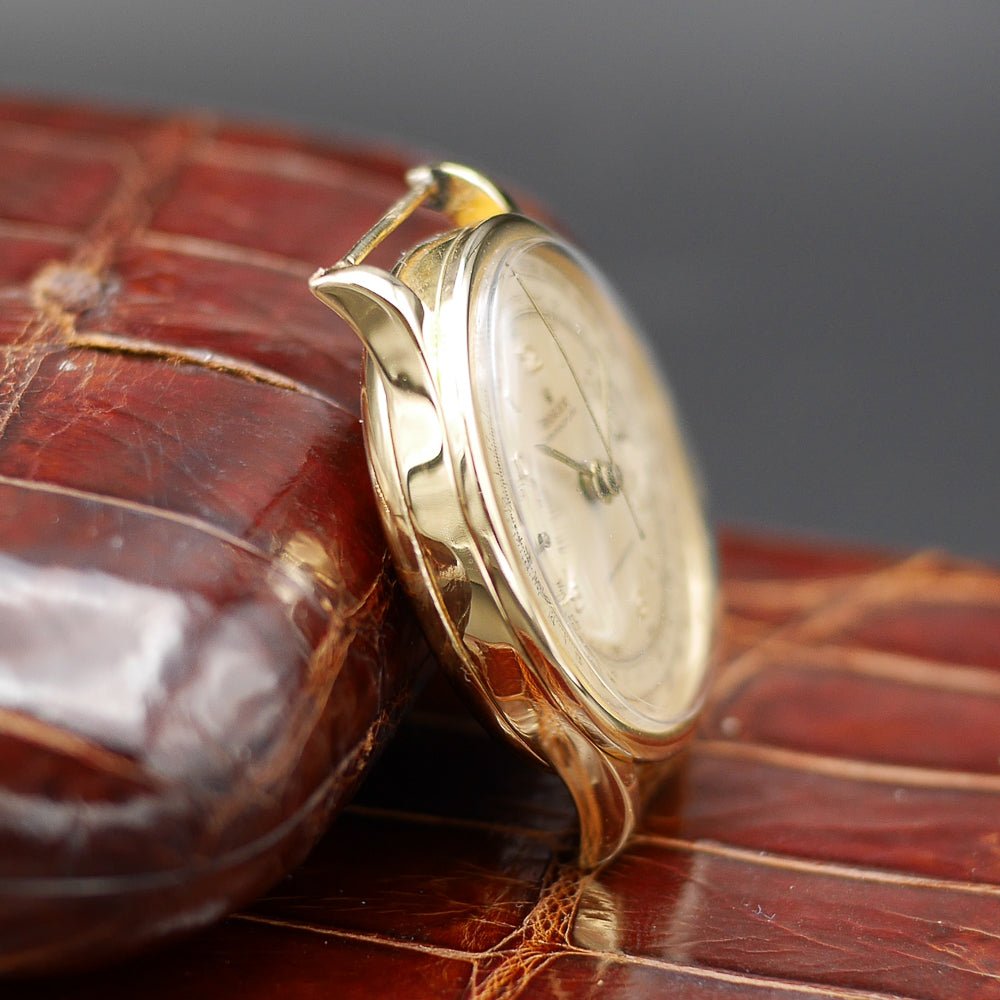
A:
<point x="385" y="314"/>
<point x="465" y="195"/>
<point x="605" y="789"/>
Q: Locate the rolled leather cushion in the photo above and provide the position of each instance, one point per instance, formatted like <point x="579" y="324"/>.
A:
<point x="202" y="642"/>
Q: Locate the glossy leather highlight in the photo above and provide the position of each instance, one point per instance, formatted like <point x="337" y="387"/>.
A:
<point x="201" y="642"/>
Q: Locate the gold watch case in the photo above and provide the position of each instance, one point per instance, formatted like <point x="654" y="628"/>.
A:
<point x="445" y="524"/>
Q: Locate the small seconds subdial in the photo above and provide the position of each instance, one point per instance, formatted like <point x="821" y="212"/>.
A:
<point x="587" y="467"/>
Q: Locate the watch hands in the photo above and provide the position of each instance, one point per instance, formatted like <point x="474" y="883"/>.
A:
<point x="561" y="457"/>
<point x="583" y="396"/>
<point x="616" y="569"/>
<point x="598" y="480"/>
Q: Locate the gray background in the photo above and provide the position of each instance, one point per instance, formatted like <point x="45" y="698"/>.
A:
<point x="800" y="200"/>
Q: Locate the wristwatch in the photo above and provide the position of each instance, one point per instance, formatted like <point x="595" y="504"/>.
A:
<point x="536" y="492"/>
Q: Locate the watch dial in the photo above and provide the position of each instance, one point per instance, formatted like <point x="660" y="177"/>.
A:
<point x="599" y="510"/>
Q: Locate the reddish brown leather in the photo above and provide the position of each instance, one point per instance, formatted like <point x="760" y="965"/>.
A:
<point x="835" y="834"/>
<point x="201" y="643"/>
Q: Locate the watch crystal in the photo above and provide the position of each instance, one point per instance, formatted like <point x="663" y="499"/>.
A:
<point x="596" y="498"/>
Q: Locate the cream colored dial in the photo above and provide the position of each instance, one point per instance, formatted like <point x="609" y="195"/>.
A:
<point x="597" y="500"/>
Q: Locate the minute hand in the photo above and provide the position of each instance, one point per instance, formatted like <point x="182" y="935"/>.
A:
<point x="564" y="458"/>
<point x="583" y="395"/>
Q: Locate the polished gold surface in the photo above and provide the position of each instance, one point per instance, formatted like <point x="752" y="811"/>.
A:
<point x="558" y="556"/>
<point x="462" y="194"/>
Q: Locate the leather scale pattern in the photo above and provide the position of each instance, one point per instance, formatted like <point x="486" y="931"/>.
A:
<point x="835" y="832"/>
<point x="202" y="643"/>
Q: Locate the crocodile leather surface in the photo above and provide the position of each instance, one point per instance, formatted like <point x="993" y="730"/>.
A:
<point x="201" y="640"/>
<point x="835" y="832"/>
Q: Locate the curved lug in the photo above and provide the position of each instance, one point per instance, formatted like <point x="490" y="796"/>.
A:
<point x="605" y="789"/>
<point x="385" y="315"/>
<point x="465" y="195"/>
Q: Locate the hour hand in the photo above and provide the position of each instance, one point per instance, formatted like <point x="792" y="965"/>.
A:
<point x="599" y="480"/>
